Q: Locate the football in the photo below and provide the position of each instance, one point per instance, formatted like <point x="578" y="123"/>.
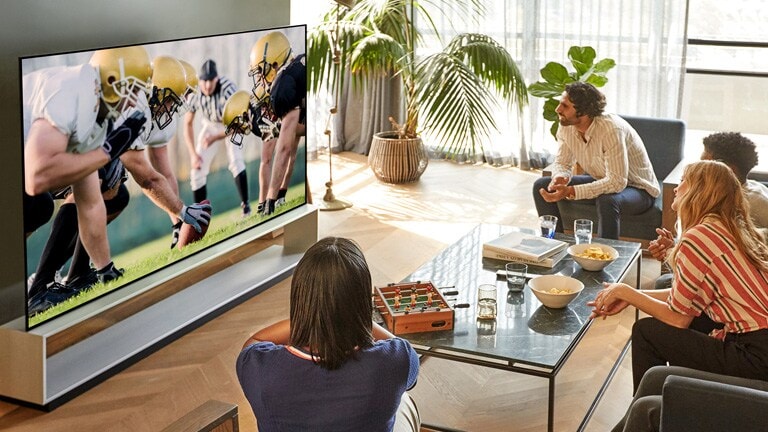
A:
<point x="188" y="235"/>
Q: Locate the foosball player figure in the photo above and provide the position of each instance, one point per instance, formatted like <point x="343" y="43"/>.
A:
<point x="430" y="293"/>
<point x="398" y="296"/>
<point x="413" y="298"/>
<point x="407" y="309"/>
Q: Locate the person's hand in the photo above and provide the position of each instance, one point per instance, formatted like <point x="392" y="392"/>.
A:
<point x="196" y="215"/>
<point x="208" y="140"/>
<point x="111" y="175"/>
<point x="195" y="161"/>
<point x="120" y="139"/>
<point x="556" y="190"/>
<point x="558" y="180"/>
<point x="608" y="301"/>
<point x="658" y="248"/>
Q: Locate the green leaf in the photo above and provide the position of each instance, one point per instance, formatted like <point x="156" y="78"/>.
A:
<point x="554" y="73"/>
<point x="549" y="110"/>
<point x="597" y="80"/>
<point x="582" y="58"/>
<point x="545" y="89"/>
<point x="554" y="128"/>
<point x="604" y="66"/>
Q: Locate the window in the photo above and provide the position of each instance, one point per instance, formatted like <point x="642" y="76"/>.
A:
<point x="726" y="79"/>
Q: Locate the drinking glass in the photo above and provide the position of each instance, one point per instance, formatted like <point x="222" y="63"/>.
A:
<point x="582" y="231"/>
<point x="486" y="302"/>
<point x="516" y="276"/>
<point x="547" y="223"/>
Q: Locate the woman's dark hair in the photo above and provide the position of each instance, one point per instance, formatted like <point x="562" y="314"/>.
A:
<point x="331" y="302"/>
<point x="586" y="99"/>
<point x="735" y="150"/>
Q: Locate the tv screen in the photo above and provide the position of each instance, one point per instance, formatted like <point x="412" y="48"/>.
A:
<point x="137" y="158"/>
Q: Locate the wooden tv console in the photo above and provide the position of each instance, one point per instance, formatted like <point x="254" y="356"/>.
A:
<point x="52" y="363"/>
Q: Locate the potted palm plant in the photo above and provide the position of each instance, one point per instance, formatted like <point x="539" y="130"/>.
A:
<point x="452" y="94"/>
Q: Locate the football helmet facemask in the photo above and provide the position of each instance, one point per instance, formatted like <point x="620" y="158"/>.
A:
<point x="236" y="117"/>
<point x="271" y="52"/>
<point x="169" y="83"/>
<point x="124" y="74"/>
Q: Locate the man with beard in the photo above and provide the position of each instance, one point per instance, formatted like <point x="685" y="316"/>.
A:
<point x="618" y="176"/>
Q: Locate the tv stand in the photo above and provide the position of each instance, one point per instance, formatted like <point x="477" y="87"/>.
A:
<point x="53" y="363"/>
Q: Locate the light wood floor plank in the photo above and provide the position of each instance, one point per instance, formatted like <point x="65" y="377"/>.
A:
<point x="399" y="227"/>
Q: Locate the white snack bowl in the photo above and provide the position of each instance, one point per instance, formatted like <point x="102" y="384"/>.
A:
<point x="542" y="284"/>
<point x="590" y="264"/>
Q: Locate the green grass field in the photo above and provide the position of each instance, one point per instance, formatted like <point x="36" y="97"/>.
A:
<point x="157" y="254"/>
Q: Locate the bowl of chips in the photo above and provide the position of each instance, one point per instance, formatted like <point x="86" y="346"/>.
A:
<point x="555" y="291"/>
<point x="593" y="256"/>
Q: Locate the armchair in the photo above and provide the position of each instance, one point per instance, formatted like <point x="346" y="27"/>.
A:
<point x="717" y="403"/>
<point x="664" y="140"/>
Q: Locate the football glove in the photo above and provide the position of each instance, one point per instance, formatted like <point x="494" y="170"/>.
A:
<point x="109" y="273"/>
<point x="195" y="215"/>
<point x="111" y="174"/>
<point x="121" y="138"/>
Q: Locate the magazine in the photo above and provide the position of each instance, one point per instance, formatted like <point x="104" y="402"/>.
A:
<point x="523" y="245"/>
<point x="547" y="262"/>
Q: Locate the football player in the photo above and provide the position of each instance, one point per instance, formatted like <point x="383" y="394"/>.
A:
<point x="157" y="144"/>
<point x="282" y="78"/>
<point x="214" y="91"/>
<point x="168" y="86"/>
<point x="69" y="134"/>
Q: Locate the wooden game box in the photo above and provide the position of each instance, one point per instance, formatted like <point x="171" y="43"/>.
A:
<point x="419" y="317"/>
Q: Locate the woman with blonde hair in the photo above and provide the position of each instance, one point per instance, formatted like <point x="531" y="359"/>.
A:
<point x="329" y="367"/>
<point x="720" y="269"/>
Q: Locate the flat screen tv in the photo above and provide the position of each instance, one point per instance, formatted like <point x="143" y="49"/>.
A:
<point x="141" y="235"/>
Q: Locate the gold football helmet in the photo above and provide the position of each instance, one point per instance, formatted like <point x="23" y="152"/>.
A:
<point x="124" y="73"/>
<point x="236" y="116"/>
<point x="169" y="83"/>
<point x="271" y="52"/>
<point x="191" y="78"/>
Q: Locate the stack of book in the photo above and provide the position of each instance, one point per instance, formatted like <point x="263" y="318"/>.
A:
<point x="526" y="248"/>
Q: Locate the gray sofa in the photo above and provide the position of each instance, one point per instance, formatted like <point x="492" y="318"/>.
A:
<point x="664" y="140"/>
<point x="713" y="403"/>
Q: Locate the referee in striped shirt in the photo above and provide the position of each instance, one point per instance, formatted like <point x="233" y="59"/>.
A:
<point x="214" y="91"/>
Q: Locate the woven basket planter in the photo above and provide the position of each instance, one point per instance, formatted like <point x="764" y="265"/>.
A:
<point x="396" y="160"/>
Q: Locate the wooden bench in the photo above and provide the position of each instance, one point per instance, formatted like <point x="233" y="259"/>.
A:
<point x="211" y="416"/>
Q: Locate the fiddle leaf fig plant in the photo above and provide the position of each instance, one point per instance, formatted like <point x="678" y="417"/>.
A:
<point x="556" y="76"/>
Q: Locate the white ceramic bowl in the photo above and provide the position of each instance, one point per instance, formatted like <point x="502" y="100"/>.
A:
<point x="542" y="286"/>
<point x="591" y="264"/>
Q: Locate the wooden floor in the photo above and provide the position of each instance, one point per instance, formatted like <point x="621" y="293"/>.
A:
<point x="399" y="228"/>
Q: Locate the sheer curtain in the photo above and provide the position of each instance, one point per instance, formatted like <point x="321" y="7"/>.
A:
<point x="646" y="38"/>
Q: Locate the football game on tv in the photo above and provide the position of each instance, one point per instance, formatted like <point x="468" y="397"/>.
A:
<point x="138" y="157"/>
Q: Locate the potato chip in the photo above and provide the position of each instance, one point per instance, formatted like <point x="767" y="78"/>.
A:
<point x="558" y="291"/>
<point x="596" y="253"/>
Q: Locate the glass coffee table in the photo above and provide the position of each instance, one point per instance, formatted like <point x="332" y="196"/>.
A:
<point x="526" y="337"/>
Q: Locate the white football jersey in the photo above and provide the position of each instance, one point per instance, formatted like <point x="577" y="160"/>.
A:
<point x="68" y="98"/>
<point x="160" y="137"/>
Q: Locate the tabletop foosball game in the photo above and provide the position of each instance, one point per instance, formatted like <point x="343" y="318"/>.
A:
<point x="413" y="307"/>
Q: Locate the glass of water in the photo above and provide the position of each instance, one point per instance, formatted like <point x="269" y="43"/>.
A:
<point x="548" y="223"/>
<point x="486" y="302"/>
<point x="516" y="273"/>
<point x="582" y="231"/>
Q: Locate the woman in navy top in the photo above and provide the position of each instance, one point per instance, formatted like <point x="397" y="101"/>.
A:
<point x="329" y="367"/>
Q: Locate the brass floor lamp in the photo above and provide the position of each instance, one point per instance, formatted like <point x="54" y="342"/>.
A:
<point x="330" y="201"/>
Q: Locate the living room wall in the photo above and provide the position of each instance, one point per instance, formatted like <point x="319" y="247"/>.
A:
<point x="33" y="27"/>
